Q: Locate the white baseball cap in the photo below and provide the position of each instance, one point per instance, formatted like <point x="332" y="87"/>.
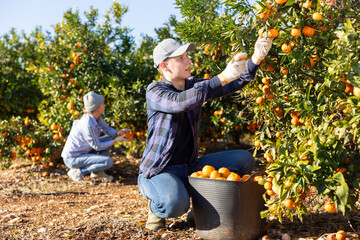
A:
<point x="170" y="48"/>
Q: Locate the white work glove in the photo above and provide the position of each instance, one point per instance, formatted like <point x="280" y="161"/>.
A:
<point x="235" y="67"/>
<point x="123" y="130"/>
<point x="262" y="47"/>
<point x="122" y="138"/>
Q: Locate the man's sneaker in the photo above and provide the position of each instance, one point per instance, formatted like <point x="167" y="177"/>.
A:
<point x="75" y="174"/>
<point x="102" y="175"/>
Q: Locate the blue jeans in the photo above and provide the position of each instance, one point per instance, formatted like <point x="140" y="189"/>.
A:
<point x="93" y="161"/>
<point x="168" y="191"/>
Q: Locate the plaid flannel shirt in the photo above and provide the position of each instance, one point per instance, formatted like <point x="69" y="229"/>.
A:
<point x="166" y="107"/>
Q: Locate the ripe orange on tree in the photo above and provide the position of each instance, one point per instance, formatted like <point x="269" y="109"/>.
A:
<point x="295" y="121"/>
<point x="356" y="92"/>
<point x="266" y="89"/>
<point x="329" y="207"/>
<point x="270" y="68"/>
<point x="56" y="137"/>
<point x="70" y="105"/>
<point x="260" y="100"/>
<point x="270" y="192"/>
<point x="273" y="33"/>
<point x="26" y="121"/>
<point x="284" y="70"/>
<point x="270" y="96"/>
<point x="288" y="203"/>
<point x="206" y="76"/>
<point x="268" y="157"/>
<point x="280" y="1"/>
<point x="278" y="112"/>
<point x="268" y="185"/>
<point x="341" y="169"/>
<point x="286" y="47"/>
<point x="295" y="32"/>
<point x="263" y="14"/>
<point x="307" y="4"/>
<point x="308" y="31"/>
<point x="257" y="143"/>
<point x="317" y="16"/>
<point x="349" y="88"/>
<point x="265" y="80"/>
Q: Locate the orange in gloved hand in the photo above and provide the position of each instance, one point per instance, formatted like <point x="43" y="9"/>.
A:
<point x="239" y="56"/>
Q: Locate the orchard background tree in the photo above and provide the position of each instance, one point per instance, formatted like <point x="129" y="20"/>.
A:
<point x="54" y="71"/>
<point x="304" y="101"/>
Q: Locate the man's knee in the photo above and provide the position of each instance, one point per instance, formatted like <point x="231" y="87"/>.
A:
<point x="175" y="207"/>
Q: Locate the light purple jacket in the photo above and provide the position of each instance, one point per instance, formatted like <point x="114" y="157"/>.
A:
<point x="84" y="136"/>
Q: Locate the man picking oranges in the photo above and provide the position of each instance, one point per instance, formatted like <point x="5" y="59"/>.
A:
<point x="174" y="110"/>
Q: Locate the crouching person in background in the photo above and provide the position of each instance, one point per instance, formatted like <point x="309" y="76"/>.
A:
<point x="86" y="151"/>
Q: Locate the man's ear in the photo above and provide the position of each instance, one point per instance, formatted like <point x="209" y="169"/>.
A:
<point x="163" y="66"/>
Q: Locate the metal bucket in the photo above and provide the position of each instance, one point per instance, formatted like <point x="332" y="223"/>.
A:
<point x="227" y="210"/>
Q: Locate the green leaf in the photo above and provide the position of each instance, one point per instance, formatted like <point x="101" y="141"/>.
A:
<point x="290" y="3"/>
<point x="342" y="190"/>
<point x="356" y="68"/>
<point x="313" y="168"/>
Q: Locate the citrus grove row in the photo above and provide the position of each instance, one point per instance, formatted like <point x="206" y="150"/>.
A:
<point x="301" y="110"/>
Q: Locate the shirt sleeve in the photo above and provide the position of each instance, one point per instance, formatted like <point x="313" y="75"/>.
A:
<point x="106" y="128"/>
<point x="163" y="98"/>
<point x="248" y="75"/>
<point x="94" y="141"/>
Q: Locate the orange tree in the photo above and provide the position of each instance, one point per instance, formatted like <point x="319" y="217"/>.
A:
<point x="19" y="91"/>
<point x="305" y="98"/>
<point x="223" y="119"/>
<point x="81" y="55"/>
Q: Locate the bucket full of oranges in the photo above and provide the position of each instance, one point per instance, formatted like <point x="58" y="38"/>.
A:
<point x="227" y="206"/>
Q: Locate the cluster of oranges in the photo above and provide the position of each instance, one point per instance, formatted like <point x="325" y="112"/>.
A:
<point x="70" y="106"/>
<point x="128" y="135"/>
<point x="223" y="173"/>
<point x="57" y="129"/>
<point x="266" y="90"/>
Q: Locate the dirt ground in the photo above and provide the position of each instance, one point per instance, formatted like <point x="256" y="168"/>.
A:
<point x="54" y="207"/>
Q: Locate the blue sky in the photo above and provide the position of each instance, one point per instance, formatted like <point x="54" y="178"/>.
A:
<point x="143" y="15"/>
